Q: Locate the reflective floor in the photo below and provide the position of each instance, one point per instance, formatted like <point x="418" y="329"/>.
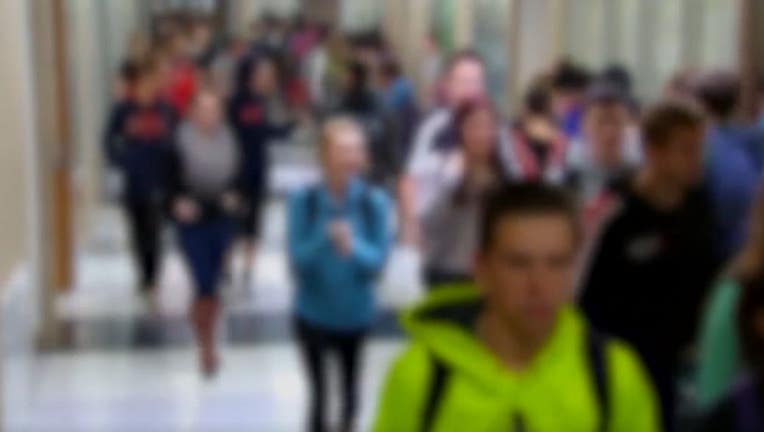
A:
<point x="258" y="389"/>
<point x="120" y="367"/>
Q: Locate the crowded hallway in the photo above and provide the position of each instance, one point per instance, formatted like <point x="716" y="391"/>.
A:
<point x="328" y="215"/>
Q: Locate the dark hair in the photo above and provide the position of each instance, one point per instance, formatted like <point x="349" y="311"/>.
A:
<point x="751" y="339"/>
<point x="390" y="67"/>
<point x="536" y="100"/>
<point x="618" y="75"/>
<point x="570" y="76"/>
<point x="664" y="117"/>
<point x="359" y="74"/>
<point x="719" y="93"/>
<point x="526" y="199"/>
<point x="461" y="115"/>
<point x="605" y="93"/>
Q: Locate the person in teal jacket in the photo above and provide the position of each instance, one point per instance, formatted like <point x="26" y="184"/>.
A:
<point x="719" y="361"/>
<point x="339" y="240"/>
<point x="512" y="353"/>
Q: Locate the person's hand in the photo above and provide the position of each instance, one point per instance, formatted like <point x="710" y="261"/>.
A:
<point x="342" y="236"/>
<point x="185" y="210"/>
<point x="231" y="202"/>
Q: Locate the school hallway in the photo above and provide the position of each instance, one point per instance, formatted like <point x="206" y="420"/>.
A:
<point x="120" y="367"/>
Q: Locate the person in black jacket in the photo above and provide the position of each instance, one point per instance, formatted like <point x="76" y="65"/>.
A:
<point x="137" y="142"/>
<point x="653" y="256"/>
<point x="258" y="116"/>
<point x="205" y="197"/>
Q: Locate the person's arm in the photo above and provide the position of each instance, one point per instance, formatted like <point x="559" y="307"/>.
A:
<point x="719" y="355"/>
<point x="307" y="238"/>
<point x="371" y="251"/>
<point x="112" y="138"/>
<point x="634" y="402"/>
<point x="401" y="405"/>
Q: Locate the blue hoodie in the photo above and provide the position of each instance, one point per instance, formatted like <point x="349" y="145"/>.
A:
<point x="733" y="180"/>
<point x="336" y="291"/>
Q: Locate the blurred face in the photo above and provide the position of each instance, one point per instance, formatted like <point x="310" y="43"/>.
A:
<point x="479" y="134"/>
<point x="680" y="159"/>
<point x="605" y="127"/>
<point x="526" y="275"/>
<point x="264" y="78"/>
<point x="564" y="101"/>
<point x="146" y="88"/>
<point x="207" y="114"/>
<point x="343" y="155"/>
<point x="465" y="82"/>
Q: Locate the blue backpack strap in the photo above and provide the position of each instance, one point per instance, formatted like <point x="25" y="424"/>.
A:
<point x="596" y="344"/>
<point x="747" y="406"/>
<point x="438" y="382"/>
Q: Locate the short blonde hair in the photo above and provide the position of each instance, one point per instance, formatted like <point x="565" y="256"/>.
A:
<point x="337" y="124"/>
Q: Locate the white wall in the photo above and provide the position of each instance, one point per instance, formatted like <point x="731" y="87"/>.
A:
<point x="19" y="217"/>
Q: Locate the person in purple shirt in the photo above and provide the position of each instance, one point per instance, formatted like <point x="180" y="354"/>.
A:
<point x="731" y="169"/>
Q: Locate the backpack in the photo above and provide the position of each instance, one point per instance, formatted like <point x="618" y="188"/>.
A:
<point x="595" y="352"/>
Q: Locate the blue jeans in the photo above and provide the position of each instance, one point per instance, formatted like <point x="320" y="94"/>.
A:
<point x="205" y="245"/>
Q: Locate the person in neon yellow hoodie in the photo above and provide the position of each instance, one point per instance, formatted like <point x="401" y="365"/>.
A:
<point x="511" y="353"/>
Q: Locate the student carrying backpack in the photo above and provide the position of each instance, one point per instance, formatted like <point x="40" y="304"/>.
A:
<point x="339" y="239"/>
<point x="511" y="353"/>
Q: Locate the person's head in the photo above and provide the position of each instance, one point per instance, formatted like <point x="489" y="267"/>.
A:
<point x="464" y="78"/>
<point x="357" y="77"/>
<point x="145" y="85"/>
<point x="207" y="111"/>
<point x="528" y="242"/>
<point x="568" y="87"/>
<point x="477" y="128"/>
<point x="719" y="93"/>
<point x="343" y="151"/>
<point x="390" y="70"/>
<point x="537" y="102"/>
<point x="618" y="75"/>
<point x="605" y="121"/>
<point x="681" y="85"/>
<point x="263" y="76"/>
<point x="750" y="322"/>
<point x="138" y="48"/>
<point x="202" y="33"/>
<point x="673" y="134"/>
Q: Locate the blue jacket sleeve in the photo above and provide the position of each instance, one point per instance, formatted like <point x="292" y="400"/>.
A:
<point x="370" y="251"/>
<point x="307" y="239"/>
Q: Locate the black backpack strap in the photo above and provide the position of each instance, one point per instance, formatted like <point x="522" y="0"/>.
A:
<point x="311" y="204"/>
<point x="596" y="354"/>
<point x="438" y="382"/>
<point x="368" y="213"/>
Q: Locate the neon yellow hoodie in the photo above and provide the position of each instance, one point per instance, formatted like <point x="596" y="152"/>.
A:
<point x="555" y="393"/>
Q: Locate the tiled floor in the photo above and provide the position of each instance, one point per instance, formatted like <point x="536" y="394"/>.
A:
<point x="122" y="370"/>
<point x="259" y="389"/>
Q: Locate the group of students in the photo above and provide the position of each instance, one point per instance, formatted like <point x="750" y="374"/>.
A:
<point x="570" y="254"/>
<point x="191" y="148"/>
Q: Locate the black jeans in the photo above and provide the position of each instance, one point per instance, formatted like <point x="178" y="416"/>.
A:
<point x="145" y="226"/>
<point x="315" y="342"/>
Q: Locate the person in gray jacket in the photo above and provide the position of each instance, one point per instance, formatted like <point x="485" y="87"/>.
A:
<point x="205" y="199"/>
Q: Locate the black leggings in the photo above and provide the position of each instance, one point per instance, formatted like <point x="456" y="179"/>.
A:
<point x="315" y="342"/>
<point x="145" y="227"/>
